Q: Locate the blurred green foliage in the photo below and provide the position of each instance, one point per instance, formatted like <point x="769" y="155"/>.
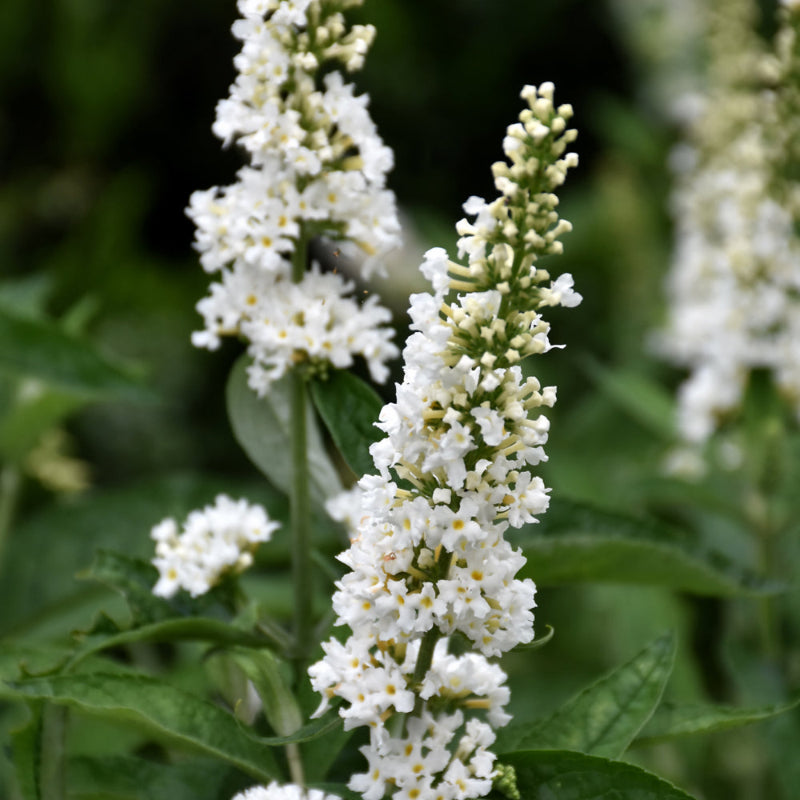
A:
<point x="105" y="113"/>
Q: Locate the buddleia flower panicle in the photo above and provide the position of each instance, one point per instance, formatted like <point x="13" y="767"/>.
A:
<point x="734" y="285"/>
<point x="317" y="169"/>
<point x="428" y="557"/>
<point x="211" y="542"/>
<point x="289" y="791"/>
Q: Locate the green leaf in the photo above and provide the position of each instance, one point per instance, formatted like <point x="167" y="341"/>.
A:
<point x="38" y="590"/>
<point x="193" y="629"/>
<point x="605" y="717"/>
<point x="134" y="579"/>
<point x="321" y="752"/>
<point x="308" y="733"/>
<point x="643" y="399"/>
<point x="577" y="542"/>
<point x="271" y="678"/>
<point x="22" y="427"/>
<point x="261" y="426"/>
<point x="18" y="661"/>
<point x="672" y="721"/>
<point x="349" y="408"/>
<point x="42" y="350"/>
<point x="158" y="707"/>
<point x="134" y="778"/>
<point x="564" y="775"/>
<point x="26" y="296"/>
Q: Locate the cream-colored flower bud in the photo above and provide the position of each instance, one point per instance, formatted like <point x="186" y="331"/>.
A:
<point x="500" y="169"/>
<point x="336" y="25"/>
<point x="547" y="89"/>
<point x="539" y="132"/>
<point x="505" y="185"/>
<point x="555" y="175"/>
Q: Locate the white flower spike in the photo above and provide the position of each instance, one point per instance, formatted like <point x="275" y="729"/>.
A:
<point x="428" y="556"/>
<point x="317" y="169"/>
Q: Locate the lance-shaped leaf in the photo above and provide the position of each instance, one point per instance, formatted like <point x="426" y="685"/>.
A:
<point x="672" y="721"/>
<point x="261" y="426"/>
<point x="22" y="427"/>
<point x="159" y="708"/>
<point x="133" y="578"/>
<point x="644" y="399"/>
<point x="578" y="542"/>
<point x="17" y="661"/>
<point x="271" y="678"/>
<point x="194" y="629"/>
<point x="134" y="778"/>
<point x="605" y="717"/>
<point x="37" y="576"/>
<point x="320" y="753"/>
<point x="42" y="350"/>
<point x="349" y="408"/>
<point x="564" y="775"/>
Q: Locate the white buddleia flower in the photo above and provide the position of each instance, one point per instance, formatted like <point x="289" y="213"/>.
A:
<point x="211" y="542"/>
<point x="734" y="304"/>
<point x="276" y="791"/>
<point x="317" y="169"/>
<point x="463" y="434"/>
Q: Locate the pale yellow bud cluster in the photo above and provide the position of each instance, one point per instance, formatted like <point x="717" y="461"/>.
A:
<point x="522" y="224"/>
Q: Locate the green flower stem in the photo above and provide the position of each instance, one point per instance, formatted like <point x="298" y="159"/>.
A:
<point x="764" y="529"/>
<point x="424" y="660"/>
<point x="52" y="774"/>
<point x="425" y="655"/>
<point x="299" y="497"/>
<point x="10" y="482"/>
<point x="299" y="506"/>
<point x="295" y="761"/>
<point x="428" y="643"/>
<point x="300" y="518"/>
<point x="761" y="514"/>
